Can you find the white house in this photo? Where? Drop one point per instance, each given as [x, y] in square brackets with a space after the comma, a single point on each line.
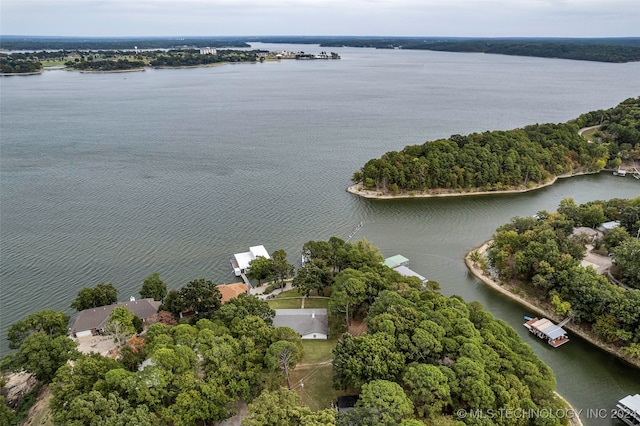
[309, 323]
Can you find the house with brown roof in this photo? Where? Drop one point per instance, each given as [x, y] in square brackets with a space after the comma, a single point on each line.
[231, 291]
[92, 321]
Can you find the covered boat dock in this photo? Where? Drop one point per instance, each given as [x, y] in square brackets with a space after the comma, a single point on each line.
[547, 330]
[400, 264]
[628, 410]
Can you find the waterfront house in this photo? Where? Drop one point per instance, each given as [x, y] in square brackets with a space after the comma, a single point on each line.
[231, 291]
[92, 321]
[308, 323]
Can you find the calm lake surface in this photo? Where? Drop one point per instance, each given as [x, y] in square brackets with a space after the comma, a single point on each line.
[110, 177]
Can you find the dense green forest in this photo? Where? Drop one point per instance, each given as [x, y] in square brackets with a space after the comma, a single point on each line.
[424, 357]
[13, 65]
[177, 58]
[514, 159]
[586, 49]
[619, 129]
[540, 49]
[105, 65]
[542, 256]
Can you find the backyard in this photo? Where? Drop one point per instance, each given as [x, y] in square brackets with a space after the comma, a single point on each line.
[312, 378]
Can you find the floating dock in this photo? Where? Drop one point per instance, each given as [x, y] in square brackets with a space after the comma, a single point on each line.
[554, 334]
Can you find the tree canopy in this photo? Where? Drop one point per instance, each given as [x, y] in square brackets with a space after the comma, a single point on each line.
[423, 356]
[101, 295]
[500, 160]
[544, 256]
[153, 287]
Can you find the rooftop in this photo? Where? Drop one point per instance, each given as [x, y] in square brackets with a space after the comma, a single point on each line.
[243, 259]
[396, 260]
[548, 328]
[96, 318]
[231, 291]
[303, 321]
[403, 270]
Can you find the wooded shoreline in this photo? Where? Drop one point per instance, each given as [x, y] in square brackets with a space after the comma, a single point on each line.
[358, 189]
[505, 289]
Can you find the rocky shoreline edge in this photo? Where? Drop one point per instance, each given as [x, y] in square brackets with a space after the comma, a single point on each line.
[358, 189]
[535, 305]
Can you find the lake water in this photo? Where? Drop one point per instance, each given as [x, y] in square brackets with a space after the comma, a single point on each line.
[110, 177]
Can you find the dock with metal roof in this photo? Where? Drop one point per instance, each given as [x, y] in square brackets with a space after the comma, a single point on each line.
[400, 264]
[554, 334]
[628, 410]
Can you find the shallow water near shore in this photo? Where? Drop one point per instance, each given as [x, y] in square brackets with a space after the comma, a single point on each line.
[110, 177]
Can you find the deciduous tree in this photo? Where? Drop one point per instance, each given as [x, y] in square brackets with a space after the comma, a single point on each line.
[42, 355]
[283, 355]
[49, 322]
[260, 269]
[101, 295]
[202, 296]
[153, 287]
[385, 401]
[281, 268]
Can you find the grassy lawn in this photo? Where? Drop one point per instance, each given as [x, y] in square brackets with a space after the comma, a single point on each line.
[317, 392]
[316, 303]
[315, 372]
[289, 293]
[316, 351]
[588, 134]
[284, 303]
[290, 299]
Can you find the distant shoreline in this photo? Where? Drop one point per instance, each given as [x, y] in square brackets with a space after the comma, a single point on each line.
[164, 67]
[358, 189]
[11, 74]
[506, 289]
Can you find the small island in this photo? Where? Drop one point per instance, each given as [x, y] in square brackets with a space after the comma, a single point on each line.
[511, 161]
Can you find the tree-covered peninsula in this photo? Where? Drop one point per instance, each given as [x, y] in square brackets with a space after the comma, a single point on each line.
[541, 258]
[415, 356]
[518, 159]
[123, 60]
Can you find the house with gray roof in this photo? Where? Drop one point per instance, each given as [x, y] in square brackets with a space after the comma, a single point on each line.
[92, 321]
[309, 323]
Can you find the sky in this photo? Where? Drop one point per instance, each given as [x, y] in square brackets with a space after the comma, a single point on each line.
[453, 18]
